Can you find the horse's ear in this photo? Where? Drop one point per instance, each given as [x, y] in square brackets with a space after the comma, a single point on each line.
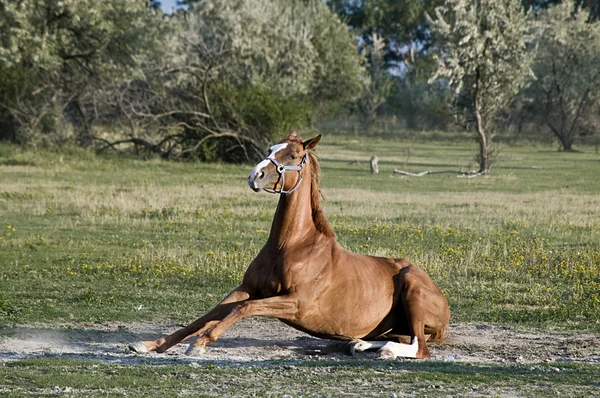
[292, 133]
[310, 144]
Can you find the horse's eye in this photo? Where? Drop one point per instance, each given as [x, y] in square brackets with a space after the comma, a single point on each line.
[293, 157]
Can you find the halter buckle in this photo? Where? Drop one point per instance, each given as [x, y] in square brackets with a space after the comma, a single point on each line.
[281, 169]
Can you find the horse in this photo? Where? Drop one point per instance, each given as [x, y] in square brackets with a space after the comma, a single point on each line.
[303, 277]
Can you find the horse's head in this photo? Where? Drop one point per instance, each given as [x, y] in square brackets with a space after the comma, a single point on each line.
[282, 171]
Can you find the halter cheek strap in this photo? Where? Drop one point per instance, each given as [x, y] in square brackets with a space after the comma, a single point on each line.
[281, 169]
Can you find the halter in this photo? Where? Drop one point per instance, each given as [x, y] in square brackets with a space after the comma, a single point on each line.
[281, 169]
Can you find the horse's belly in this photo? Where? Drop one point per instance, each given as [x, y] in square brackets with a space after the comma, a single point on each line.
[360, 313]
[347, 320]
[321, 330]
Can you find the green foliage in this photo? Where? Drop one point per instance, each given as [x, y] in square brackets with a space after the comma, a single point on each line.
[566, 94]
[401, 24]
[212, 82]
[377, 83]
[233, 77]
[421, 105]
[591, 6]
[405, 43]
[293, 47]
[53, 53]
[70, 38]
[483, 59]
[269, 113]
[260, 113]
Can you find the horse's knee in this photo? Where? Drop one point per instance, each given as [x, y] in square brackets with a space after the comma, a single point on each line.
[240, 310]
[211, 336]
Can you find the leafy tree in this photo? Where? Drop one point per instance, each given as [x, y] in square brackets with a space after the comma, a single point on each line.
[401, 24]
[377, 83]
[236, 74]
[296, 47]
[54, 53]
[407, 41]
[483, 59]
[216, 80]
[186, 107]
[592, 6]
[567, 66]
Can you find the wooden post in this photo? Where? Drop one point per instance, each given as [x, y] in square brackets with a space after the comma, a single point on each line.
[374, 165]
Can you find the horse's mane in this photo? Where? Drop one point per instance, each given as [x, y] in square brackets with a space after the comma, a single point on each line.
[315, 193]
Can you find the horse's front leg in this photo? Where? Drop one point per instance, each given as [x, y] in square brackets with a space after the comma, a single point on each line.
[281, 307]
[199, 326]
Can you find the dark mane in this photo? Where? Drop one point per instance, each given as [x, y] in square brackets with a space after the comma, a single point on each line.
[315, 193]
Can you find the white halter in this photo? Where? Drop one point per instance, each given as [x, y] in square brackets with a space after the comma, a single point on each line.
[281, 169]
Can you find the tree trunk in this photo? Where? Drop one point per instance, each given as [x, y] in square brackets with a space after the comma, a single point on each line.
[484, 156]
[566, 142]
[568, 136]
[482, 138]
[484, 145]
[84, 135]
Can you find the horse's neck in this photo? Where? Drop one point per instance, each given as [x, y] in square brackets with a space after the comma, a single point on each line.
[293, 218]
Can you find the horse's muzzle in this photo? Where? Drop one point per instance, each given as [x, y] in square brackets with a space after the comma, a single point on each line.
[256, 179]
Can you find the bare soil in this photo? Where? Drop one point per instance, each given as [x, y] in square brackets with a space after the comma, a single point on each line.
[254, 340]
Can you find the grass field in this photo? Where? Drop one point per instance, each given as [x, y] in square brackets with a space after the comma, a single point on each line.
[89, 239]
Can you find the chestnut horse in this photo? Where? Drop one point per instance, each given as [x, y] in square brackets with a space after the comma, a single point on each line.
[303, 277]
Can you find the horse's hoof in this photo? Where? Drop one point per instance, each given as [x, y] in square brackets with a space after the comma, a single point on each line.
[386, 353]
[138, 347]
[358, 346]
[351, 348]
[193, 351]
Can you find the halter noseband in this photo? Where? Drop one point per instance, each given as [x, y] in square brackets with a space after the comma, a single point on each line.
[281, 169]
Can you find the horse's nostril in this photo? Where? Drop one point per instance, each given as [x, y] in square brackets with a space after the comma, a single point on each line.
[262, 174]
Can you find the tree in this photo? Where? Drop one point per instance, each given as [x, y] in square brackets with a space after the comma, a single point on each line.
[483, 59]
[407, 40]
[566, 93]
[236, 74]
[53, 54]
[377, 83]
[216, 80]
[298, 47]
[592, 6]
[186, 107]
[401, 24]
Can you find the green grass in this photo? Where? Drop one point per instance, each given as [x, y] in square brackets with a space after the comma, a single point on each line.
[98, 239]
[88, 238]
[309, 378]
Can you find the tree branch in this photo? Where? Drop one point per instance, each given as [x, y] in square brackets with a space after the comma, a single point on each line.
[424, 173]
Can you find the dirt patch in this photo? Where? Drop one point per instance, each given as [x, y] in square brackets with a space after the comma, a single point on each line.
[254, 340]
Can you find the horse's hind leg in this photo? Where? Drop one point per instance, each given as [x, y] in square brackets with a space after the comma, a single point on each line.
[425, 308]
[199, 326]
[362, 345]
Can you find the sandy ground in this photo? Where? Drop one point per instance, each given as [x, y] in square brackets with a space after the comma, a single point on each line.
[254, 340]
